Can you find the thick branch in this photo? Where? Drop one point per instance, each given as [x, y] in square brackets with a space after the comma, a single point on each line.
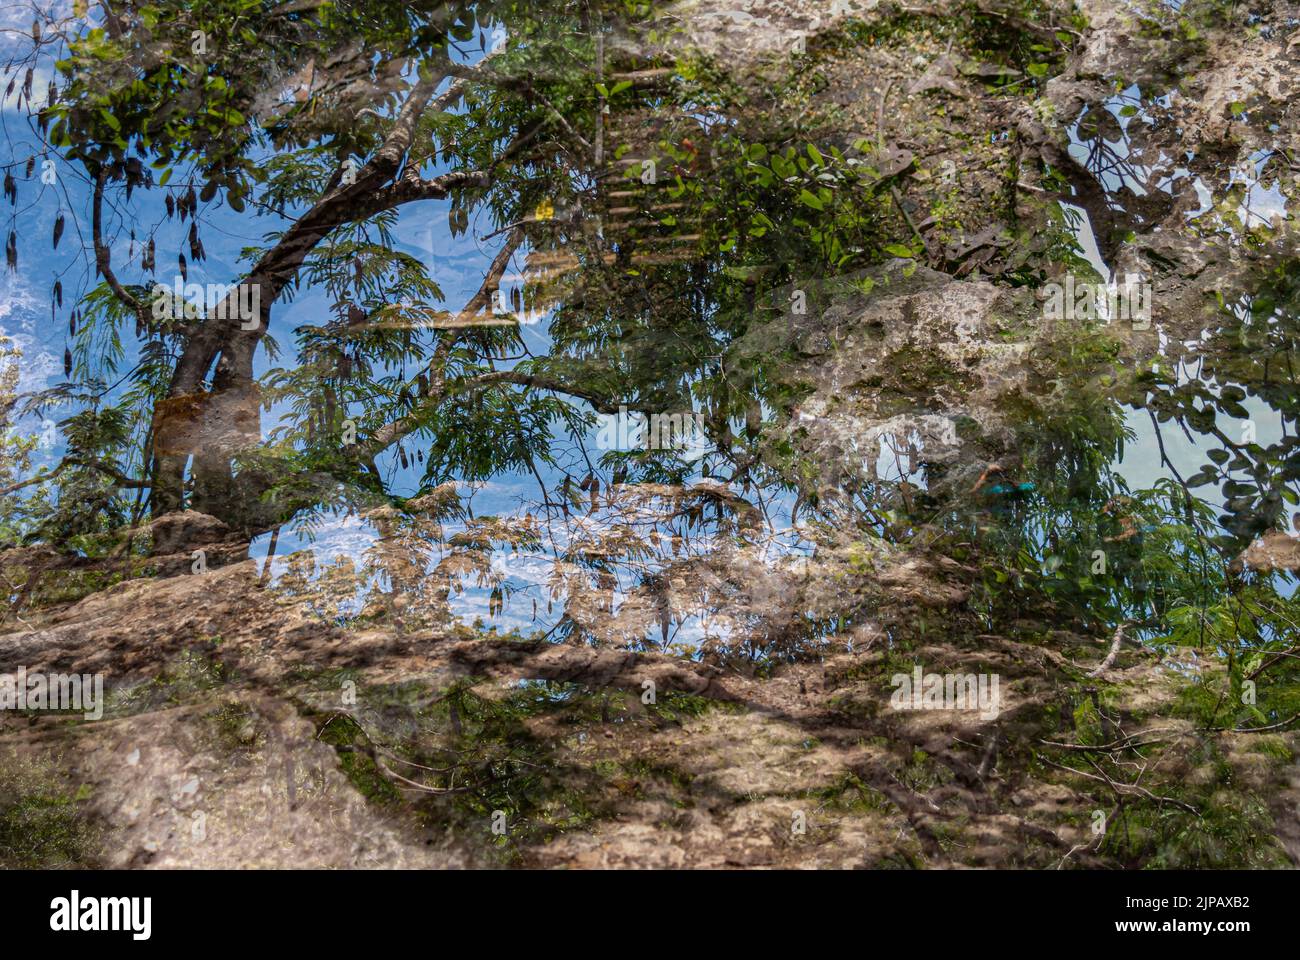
[279, 264]
[342, 203]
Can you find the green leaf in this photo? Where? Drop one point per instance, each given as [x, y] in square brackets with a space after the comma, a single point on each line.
[810, 199]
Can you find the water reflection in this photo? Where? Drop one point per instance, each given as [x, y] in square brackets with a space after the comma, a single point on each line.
[883, 414]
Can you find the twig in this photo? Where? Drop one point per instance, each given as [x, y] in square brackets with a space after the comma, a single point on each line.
[1121, 788]
[1272, 726]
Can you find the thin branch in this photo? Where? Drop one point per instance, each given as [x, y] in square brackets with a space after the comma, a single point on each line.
[1115, 644]
[1272, 726]
[1124, 788]
[103, 259]
[600, 402]
[122, 479]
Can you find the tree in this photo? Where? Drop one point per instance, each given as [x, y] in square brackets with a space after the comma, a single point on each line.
[389, 111]
[827, 261]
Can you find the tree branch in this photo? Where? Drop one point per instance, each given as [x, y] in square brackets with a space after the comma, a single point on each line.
[538, 382]
[103, 260]
[1116, 642]
[122, 479]
[391, 432]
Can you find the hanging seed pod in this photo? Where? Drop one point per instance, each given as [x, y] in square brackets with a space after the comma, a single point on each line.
[11, 188]
[67, 362]
[147, 262]
[402, 454]
[58, 293]
[185, 273]
[10, 89]
[516, 302]
[36, 32]
[196, 248]
[72, 324]
[130, 249]
[171, 206]
[51, 93]
[58, 229]
[345, 367]
[31, 166]
[11, 252]
[420, 454]
[207, 193]
[27, 84]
